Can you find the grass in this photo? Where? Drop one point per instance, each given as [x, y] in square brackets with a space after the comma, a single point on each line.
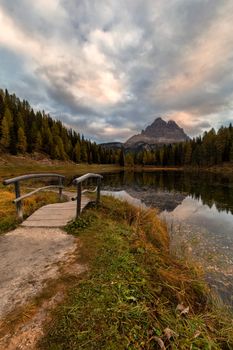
[11, 166]
[8, 216]
[135, 295]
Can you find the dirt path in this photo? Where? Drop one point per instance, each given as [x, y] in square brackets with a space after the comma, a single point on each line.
[29, 258]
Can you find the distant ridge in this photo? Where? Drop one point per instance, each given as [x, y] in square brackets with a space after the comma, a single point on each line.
[159, 132]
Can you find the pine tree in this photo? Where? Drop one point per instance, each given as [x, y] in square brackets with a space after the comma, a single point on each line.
[58, 151]
[84, 157]
[231, 153]
[188, 153]
[122, 158]
[129, 161]
[38, 142]
[47, 138]
[22, 141]
[6, 126]
[77, 153]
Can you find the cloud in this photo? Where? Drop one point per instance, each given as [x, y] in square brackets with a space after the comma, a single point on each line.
[109, 68]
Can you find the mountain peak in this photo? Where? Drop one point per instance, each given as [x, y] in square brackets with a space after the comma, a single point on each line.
[158, 120]
[159, 132]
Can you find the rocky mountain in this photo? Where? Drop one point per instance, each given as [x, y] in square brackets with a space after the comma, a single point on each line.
[159, 132]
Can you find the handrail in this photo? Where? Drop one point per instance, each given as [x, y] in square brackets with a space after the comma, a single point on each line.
[87, 176]
[16, 182]
[78, 181]
[35, 191]
[30, 176]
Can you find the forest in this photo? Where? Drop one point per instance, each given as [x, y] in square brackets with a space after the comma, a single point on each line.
[212, 148]
[23, 130]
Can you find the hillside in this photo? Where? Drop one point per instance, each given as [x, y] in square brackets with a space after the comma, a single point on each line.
[24, 131]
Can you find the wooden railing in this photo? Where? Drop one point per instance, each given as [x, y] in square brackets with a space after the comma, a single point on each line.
[78, 182]
[18, 198]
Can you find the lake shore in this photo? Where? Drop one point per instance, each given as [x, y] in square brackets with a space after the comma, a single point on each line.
[136, 294]
[16, 165]
[173, 305]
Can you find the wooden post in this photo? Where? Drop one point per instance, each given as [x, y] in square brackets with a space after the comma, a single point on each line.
[98, 191]
[60, 188]
[19, 203]
[79, 197]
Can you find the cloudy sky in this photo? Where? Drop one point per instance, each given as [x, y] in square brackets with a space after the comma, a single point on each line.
[108, 68]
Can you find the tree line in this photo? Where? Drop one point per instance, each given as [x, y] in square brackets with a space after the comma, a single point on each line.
[200, 185]
[210, 149]
[23, 130]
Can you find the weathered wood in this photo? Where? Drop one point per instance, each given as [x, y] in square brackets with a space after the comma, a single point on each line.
[60, 188]
[16, 181]
[19, 203]
[55, 215]
[98, 190]
[30, 176]
[35, 191]
[79, 200]
[89, 191]
[78, 182]
[86, 177]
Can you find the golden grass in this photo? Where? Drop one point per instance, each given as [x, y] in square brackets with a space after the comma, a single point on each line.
[8, 215]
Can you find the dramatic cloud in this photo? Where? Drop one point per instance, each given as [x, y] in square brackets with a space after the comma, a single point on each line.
[108, 68]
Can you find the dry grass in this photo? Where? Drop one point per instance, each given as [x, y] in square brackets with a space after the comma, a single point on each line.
[8, 216]
[136, 295]
[11, 166]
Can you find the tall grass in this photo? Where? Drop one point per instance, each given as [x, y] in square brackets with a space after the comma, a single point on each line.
[135, 295]
[8, 216]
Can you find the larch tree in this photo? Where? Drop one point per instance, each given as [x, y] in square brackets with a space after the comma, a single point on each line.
[22, 141]
[6, 126]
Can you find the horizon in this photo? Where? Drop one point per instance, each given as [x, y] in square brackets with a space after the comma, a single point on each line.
[109, 69]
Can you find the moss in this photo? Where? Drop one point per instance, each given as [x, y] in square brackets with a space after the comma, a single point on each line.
[135, 295]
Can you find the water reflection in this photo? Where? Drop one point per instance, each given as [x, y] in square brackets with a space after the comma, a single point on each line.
[198, 209]
[195, 212]
[210, 188]
[123, 195]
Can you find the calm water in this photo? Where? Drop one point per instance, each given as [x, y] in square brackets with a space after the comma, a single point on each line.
[198, 209]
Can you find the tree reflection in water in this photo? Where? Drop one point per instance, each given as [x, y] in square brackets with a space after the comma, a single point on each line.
[198, 208]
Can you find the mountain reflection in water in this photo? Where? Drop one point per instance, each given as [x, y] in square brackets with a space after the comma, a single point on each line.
[198, 209]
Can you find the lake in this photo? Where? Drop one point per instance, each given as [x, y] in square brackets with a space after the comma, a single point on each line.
[198, 210]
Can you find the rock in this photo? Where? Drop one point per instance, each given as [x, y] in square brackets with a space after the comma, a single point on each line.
[159, 132]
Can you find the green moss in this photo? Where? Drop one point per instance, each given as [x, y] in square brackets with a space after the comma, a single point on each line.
[129, 297]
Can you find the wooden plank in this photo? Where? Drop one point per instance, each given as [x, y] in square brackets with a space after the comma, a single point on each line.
[54, 215]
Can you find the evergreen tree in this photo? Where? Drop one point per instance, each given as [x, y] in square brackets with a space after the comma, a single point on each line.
[121, 158]
[22, 141]
[231, 153]
[84, 157]
[187, 153]
[6, 127]
[129, 161]
[77, 153]
[38, 142]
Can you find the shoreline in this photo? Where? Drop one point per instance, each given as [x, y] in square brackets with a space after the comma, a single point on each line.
[16, 165]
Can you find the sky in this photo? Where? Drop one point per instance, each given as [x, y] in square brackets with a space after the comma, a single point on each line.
[108, 68]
